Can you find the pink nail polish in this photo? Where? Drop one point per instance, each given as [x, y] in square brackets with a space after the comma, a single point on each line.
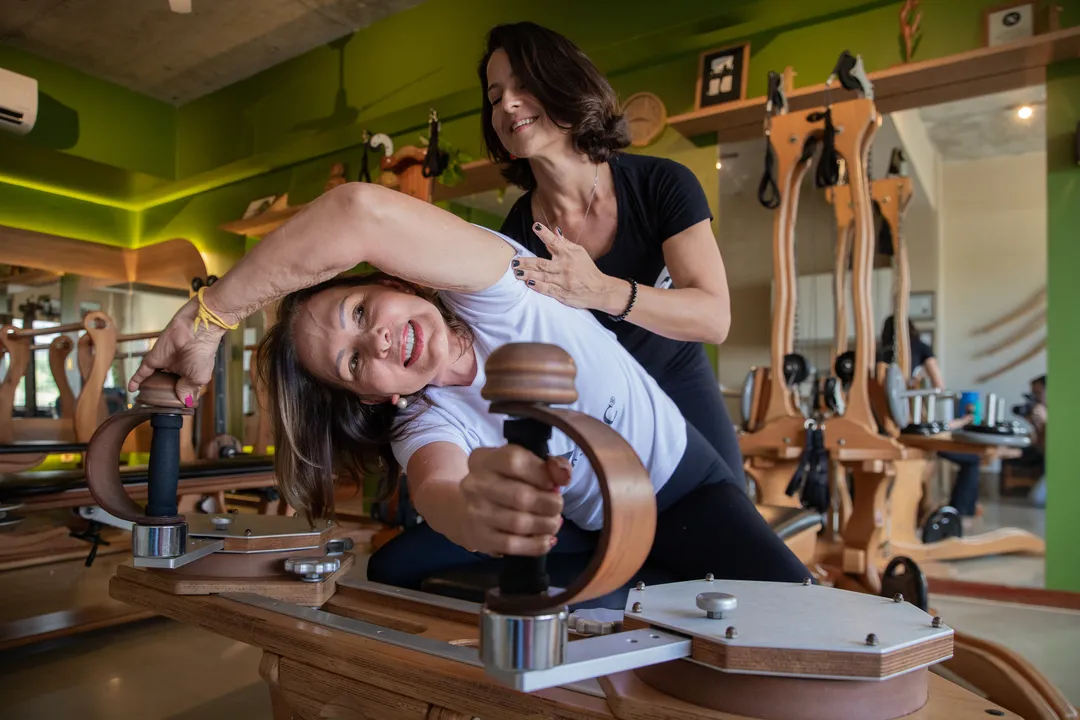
[553, 541]
[189, 401]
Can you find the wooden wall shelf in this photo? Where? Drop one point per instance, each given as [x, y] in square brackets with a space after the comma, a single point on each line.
[903, 87]
[480, 176]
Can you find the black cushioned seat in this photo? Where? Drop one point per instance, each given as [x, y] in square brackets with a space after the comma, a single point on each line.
[24, 485]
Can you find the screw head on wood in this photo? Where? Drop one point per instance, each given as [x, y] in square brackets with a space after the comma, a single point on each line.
[898, 598]
[807, 581]
[936, 621]
[635, 608]
[731, 633]
[248, 532]
[871, 639]
[709, 577]
[640, 586]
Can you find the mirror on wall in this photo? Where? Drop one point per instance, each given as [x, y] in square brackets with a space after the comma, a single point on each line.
[975, 233]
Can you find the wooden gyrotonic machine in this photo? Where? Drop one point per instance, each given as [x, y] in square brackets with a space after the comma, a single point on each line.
[702, 648]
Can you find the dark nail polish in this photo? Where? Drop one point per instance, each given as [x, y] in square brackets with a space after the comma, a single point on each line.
[532, 282]
[519, 273]
[558, 230]
[538, 227]
[516, 263]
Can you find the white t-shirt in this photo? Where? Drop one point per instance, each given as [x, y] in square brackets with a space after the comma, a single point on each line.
[610, 384]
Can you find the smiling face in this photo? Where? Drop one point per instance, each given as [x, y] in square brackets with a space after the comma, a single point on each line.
[517, 117]
[374, 340]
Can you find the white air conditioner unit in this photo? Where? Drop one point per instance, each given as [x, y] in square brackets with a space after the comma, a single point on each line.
[18, 102]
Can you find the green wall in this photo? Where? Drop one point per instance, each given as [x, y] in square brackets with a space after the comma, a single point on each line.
[1063, 357]
[111, 166]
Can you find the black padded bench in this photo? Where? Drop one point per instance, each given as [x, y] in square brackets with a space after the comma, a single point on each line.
[472, 581]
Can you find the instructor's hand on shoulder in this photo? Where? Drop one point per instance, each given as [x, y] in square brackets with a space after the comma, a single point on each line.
[183, 352]
[513, 501]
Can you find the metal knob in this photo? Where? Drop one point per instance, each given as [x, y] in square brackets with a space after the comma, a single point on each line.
[715, 604]
[221, 522]
[312, 569]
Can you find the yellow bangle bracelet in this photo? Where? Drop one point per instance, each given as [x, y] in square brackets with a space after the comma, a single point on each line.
[207, 316]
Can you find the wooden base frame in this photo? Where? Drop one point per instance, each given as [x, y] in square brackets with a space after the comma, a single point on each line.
[338, 674]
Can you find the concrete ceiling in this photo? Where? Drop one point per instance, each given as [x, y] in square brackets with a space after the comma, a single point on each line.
[988, 126]
[144, 46]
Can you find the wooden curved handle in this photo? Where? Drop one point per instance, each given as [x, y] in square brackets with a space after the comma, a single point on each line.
[103, 453]
[629, 509]
[520, 377]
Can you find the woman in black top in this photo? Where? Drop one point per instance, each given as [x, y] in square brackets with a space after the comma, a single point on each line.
[625, 236]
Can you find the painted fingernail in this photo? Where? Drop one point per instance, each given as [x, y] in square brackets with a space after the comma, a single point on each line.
[532, 282]
[554, 540]
[519, 273]
[538, 227]
[189, 401]
[558, 230]
[516, 263]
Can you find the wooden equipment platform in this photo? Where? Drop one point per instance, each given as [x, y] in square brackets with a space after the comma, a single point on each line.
[343, 674]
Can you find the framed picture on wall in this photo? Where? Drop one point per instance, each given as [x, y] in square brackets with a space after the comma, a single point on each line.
[921, 306]
[722, 76]
[1004, 24]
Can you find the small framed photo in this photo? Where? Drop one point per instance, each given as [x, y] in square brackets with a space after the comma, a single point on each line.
[722, 75]
[921, 306]
[1008, 23]
[257, 207]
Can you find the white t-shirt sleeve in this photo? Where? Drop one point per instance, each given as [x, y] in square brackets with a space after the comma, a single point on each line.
[428, 426]
[498, 299]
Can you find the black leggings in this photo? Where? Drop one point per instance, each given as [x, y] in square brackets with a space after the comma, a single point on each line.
[705, 524]
[694, 389]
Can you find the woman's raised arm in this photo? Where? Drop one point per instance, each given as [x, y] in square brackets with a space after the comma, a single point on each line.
[351, 224]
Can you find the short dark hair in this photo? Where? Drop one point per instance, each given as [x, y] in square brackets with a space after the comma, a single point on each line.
[1041, 380]
[573, 92]
[320, 431]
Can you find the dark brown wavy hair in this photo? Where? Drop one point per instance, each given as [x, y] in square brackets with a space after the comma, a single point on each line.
[322, 433]
[574, 94]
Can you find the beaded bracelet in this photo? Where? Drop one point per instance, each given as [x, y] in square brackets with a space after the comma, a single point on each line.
[629, 305]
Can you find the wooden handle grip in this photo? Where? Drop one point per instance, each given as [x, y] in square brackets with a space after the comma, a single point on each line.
[522, 376]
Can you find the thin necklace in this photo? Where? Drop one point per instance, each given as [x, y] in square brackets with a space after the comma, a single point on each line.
[588, 207]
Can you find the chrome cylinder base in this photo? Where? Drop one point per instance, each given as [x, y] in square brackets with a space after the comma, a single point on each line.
[159, 541]
[523, 642]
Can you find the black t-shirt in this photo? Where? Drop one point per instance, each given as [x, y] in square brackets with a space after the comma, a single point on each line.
[657, 199]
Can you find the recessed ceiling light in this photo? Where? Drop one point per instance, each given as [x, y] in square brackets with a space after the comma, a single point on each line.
[1025, 112]
[718, 164]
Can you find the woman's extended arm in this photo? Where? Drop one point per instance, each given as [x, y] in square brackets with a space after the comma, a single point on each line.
[494, 501]
[351, 224]
[355, 223]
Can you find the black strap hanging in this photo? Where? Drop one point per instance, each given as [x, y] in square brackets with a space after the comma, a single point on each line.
[811, 478]
[365, 174]
[436, 160]
[775, 104]
[828, 169]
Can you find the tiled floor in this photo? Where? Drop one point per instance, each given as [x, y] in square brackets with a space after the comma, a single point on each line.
[159, 669]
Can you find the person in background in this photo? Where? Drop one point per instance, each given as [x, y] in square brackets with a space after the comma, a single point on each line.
[965, 492]
[1035, 454]
[625, 236]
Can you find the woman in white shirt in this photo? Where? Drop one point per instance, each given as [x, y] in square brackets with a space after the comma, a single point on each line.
[378, 371]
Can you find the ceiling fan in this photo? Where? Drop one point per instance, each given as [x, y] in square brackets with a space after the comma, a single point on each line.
[180, 6]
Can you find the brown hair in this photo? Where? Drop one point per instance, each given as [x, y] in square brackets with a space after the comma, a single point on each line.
[320, 431]
[573, 93]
